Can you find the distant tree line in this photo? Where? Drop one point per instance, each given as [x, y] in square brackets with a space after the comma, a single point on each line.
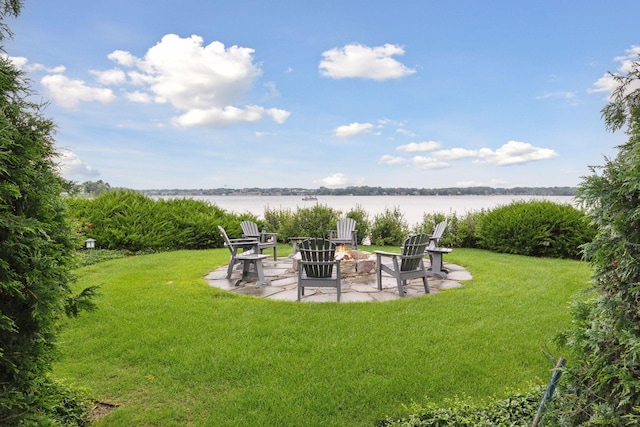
[368, 191]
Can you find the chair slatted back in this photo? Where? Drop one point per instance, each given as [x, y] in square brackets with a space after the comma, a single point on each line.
[249, 228]
[345, 228]
[227, 242]
[320, 254]
[438, 231]
[413, 249]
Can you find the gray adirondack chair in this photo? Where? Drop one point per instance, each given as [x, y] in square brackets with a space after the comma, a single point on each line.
[345, 233]
[248, 257]
[407, 265]
[266, 240]
[317, 266]
[438, 231]
[436, 252]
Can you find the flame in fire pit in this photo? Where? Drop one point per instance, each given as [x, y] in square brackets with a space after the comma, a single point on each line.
[343, 253]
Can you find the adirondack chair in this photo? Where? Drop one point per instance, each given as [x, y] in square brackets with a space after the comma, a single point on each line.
[249, 257]
[436, 252]
[267, 240]
[345, 233]
[317, 266]
[438, 231]
[407, 265]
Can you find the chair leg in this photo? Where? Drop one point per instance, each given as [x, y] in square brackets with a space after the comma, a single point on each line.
[400, 288]
[379, 278]
[230, 268]
[426, 284]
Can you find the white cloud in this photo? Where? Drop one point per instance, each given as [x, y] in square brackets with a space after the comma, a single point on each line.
[514, 152]
[206, 82]
[455, 153]
[70, 164]
[69, 92]
[353, 129]
[422, 162]
[405, 132]
[414, 147]
[114, 76]
[57, 70]
[333, 180]
[22, 63]
[141, 97]
[391, 160]
[511, 153]
[608, 84]
[278, 115]
[219, 117]
[356, 60]
[123, 58]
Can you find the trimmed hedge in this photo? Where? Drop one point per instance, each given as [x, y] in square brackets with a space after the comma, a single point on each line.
[129, 220]
[535, 228]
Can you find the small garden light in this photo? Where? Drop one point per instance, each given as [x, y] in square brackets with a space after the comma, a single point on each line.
[90, 243]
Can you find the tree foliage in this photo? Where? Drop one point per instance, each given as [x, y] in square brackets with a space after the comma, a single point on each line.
[36, 250]
[604, 378]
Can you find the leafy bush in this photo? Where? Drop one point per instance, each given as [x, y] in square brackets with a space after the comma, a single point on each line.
[362, 222]
[128, 220]
[36, 253]
[602, 384]
[315, 221]
[389, 228]
[515, 411]
[280, 221]
[535, 228]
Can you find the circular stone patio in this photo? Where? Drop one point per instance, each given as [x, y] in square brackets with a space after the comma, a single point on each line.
[363, 288]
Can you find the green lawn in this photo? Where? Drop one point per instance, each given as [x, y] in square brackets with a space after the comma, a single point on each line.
[172, 351]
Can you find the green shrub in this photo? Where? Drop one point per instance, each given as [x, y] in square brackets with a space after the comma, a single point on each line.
[601, 384]
[280, 221]
[129, 220]
[535, 228]
[460, 232]
[389, 228]
[516, 411]
[362, 222]
[315, 221]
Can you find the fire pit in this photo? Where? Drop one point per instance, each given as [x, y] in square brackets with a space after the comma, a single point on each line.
[355, 262]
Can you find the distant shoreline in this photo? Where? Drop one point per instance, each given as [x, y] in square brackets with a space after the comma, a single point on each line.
[368, 191]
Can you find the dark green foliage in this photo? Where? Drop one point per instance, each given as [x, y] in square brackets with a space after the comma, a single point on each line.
[460, 232]
[603, 380]
[535, 228]
[124, 219]
[516, 411]
[362, 222]
[389, 228]
[315, 221]
[36, 250]
[280, 221]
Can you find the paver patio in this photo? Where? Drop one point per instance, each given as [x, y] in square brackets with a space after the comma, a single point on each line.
[284, 281]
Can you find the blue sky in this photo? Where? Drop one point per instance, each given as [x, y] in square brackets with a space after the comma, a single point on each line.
[207, 94]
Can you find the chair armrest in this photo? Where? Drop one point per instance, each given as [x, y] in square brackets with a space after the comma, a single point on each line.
[244, 240]
[266, 237]
[383, 253]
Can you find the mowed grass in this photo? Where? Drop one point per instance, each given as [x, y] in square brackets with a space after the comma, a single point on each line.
[171, 351]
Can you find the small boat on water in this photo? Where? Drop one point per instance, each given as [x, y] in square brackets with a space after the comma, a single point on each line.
[309, 198]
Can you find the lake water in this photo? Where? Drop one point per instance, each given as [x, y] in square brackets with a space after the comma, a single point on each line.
[412, 207]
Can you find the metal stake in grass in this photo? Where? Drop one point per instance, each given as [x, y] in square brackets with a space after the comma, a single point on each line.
[548, 393]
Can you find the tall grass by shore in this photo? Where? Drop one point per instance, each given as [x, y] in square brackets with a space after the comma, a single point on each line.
[170, 350]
